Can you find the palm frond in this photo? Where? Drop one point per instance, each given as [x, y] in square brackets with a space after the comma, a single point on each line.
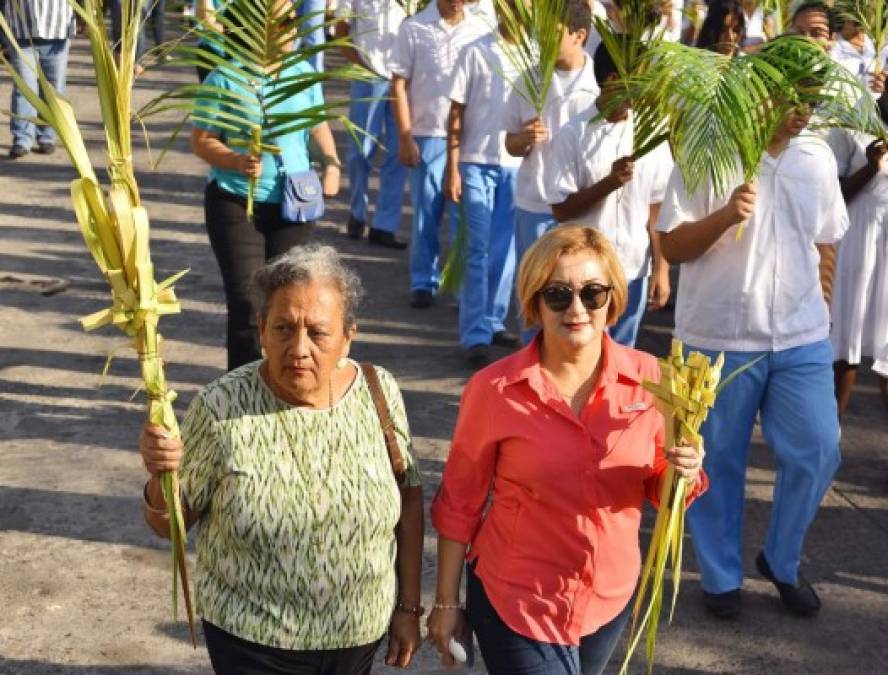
[720, 113]
[257, 41]
[534, 32]
[115, 229]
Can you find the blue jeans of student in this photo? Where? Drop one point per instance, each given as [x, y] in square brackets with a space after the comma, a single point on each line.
[506, 652]
[529, 227]
[52, 55]
[793, 392]
[488, 197]
[625, 330]
[427, 198]
[313, 29]
[377, 119]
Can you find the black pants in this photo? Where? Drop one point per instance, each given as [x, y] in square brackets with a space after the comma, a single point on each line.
[231, 655]
[242, 247]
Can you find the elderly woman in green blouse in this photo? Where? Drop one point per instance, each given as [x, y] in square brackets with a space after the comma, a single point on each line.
[307, 550]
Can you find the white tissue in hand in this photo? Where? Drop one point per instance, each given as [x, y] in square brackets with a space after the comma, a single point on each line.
[457, 651]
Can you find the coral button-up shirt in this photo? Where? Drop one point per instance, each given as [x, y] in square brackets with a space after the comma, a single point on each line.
[557, 550]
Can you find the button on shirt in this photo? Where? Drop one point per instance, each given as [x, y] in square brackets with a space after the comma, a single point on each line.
[761, 293]
[482, 82]
[374, 28]
[425, 54]
[581, 155]
[557, 551]
[571, 94]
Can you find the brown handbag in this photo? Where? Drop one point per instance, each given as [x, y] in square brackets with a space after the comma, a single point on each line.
[385, 419]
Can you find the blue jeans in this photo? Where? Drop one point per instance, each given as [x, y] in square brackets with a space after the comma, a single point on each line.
[427, 198]
[488, 197]
[529, 227]
[376, 117]
[313, 29]
[506, 652]
[52, 56]
[793, 392]
[625, 330]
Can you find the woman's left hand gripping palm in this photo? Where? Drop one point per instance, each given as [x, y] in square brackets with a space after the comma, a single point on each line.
[687, 461]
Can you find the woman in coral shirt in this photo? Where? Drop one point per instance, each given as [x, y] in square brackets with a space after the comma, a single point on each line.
[567, 443]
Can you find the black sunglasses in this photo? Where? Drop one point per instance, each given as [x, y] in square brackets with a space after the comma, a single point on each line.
[558, 297]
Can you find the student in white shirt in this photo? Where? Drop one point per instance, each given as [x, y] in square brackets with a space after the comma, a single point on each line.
[860, 295]
[481, 175]
[855, 51]
[426, 52]
[373, 26]
[572, 93]
[761, 297]
[592, 179]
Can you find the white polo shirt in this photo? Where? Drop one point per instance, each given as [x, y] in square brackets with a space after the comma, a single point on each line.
[482, 82]
[761, 293]
[571, 94]
[580, 156]
[425, 54]
[374, 28]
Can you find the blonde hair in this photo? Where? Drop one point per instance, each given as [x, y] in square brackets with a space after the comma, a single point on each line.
[540, 259]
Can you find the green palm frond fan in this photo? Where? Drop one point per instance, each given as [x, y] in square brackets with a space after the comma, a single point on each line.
[255, 48]
[720, 115]
[627, 44]
[781, 10]
[871, 16]
[534, 30]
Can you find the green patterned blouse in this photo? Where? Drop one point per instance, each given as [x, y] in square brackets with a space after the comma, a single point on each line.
[296, 545]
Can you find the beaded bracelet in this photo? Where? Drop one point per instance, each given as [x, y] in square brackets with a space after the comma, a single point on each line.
[441, 605]
[415, 610]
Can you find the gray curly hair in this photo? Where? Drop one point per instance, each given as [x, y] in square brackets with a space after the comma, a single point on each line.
[302, 265]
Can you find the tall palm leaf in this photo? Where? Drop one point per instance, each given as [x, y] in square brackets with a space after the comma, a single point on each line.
[257, 41]
[534, 30]
[114, 225]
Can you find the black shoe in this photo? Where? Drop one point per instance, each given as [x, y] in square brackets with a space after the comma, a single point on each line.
[387, 239]
[478, 356]
[45, 148]
[18, 151]
[421, 299]
[723, 605]
[354, 228]
[504, 338]
[800, 599]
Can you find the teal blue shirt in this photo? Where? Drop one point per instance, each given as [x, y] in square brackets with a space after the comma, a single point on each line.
[294, 146]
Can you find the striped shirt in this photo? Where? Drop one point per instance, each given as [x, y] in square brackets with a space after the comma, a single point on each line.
[39, 19]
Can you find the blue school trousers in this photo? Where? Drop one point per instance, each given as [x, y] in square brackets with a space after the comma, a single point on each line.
[427, 198]
[488, 198]
[793, 393]
[529, 227]
[376, 117]
[625, 330]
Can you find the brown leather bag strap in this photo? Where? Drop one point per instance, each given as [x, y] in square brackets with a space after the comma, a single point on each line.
[385, 419]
